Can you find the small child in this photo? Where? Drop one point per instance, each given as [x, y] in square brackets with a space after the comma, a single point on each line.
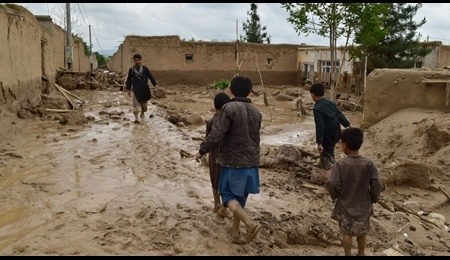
[355, 184]
[214, 167]
[328, 120]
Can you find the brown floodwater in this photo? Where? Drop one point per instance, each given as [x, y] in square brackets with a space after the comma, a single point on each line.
[55, 169]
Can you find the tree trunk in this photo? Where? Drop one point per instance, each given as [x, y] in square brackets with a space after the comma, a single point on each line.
[332, 51]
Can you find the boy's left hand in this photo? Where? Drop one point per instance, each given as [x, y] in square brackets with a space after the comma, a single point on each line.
[197, 157]
[319, 148]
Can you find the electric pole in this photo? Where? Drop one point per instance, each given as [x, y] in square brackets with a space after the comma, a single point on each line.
[69, 50]
[91, 58]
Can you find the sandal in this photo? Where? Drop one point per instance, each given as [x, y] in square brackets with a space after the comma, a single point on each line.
[251, 235]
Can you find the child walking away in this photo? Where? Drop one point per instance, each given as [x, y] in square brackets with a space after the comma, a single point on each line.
[355, 185]
[328, 120]
[214, 168]
[237, 130]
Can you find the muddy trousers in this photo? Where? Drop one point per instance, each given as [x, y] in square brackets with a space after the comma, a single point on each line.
[137, 105]
[330, 139]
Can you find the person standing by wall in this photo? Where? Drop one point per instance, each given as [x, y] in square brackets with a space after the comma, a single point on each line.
[137, 82]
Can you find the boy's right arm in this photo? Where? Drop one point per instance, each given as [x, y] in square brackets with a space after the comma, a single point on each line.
[375, 184]
[218, 131]
[129, 80]
[334, 183]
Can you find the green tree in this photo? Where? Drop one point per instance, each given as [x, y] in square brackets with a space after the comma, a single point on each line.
[101, 60]
[332, 20]
[400, 47]
[252, 28]
[87, 51]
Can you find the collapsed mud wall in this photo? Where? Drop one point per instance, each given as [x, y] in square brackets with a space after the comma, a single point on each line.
[392, 90]
[173, 61]
[31, 47]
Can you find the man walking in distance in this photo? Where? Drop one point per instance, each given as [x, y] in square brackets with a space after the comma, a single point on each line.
[137, 81]
[237, 131]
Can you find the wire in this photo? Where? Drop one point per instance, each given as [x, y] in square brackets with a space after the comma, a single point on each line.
[92, 28]
[438, 38]
[81, 13]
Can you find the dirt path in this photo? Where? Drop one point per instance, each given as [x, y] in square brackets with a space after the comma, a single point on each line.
[111, 187]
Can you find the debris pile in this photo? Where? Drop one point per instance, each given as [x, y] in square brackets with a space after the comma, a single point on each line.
[98, 79]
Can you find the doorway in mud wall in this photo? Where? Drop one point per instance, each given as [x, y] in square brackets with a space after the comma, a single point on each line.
[45, 86]
[308, 71]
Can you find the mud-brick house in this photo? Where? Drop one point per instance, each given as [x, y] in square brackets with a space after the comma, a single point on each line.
[315, 66]
[439, 57]
[175, 61]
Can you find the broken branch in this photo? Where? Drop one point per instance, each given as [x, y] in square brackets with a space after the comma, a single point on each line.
[65, 95]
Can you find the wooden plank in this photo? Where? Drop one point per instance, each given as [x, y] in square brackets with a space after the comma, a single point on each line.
[435, 81]
[57, 110]
[73, 95]
[66, 96]
[97, 82]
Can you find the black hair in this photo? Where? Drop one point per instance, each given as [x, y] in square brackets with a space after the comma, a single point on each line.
[353, 137]
[317, 89]
[220, 99]
[137, 56]
[241, 86]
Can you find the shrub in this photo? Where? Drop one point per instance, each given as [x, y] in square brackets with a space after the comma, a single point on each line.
[222, 84]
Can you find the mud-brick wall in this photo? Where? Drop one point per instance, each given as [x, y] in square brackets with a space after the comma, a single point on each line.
[173, 61]
[80, 60]
[54, 40]
[53, 56]
[20, 58]
[30, 47]
[444, 56]
[391, 90]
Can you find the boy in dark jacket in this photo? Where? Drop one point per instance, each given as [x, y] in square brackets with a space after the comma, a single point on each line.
[138, 76]
[237, 129]
[328, 120]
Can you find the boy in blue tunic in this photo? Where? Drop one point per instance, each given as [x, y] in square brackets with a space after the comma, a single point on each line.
[237, 129]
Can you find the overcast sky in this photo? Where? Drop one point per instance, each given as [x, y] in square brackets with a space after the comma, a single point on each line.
[111, 22]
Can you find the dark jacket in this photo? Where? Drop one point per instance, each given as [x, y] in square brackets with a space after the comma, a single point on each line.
[327, 114]
[140, 83]
[236, 130]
